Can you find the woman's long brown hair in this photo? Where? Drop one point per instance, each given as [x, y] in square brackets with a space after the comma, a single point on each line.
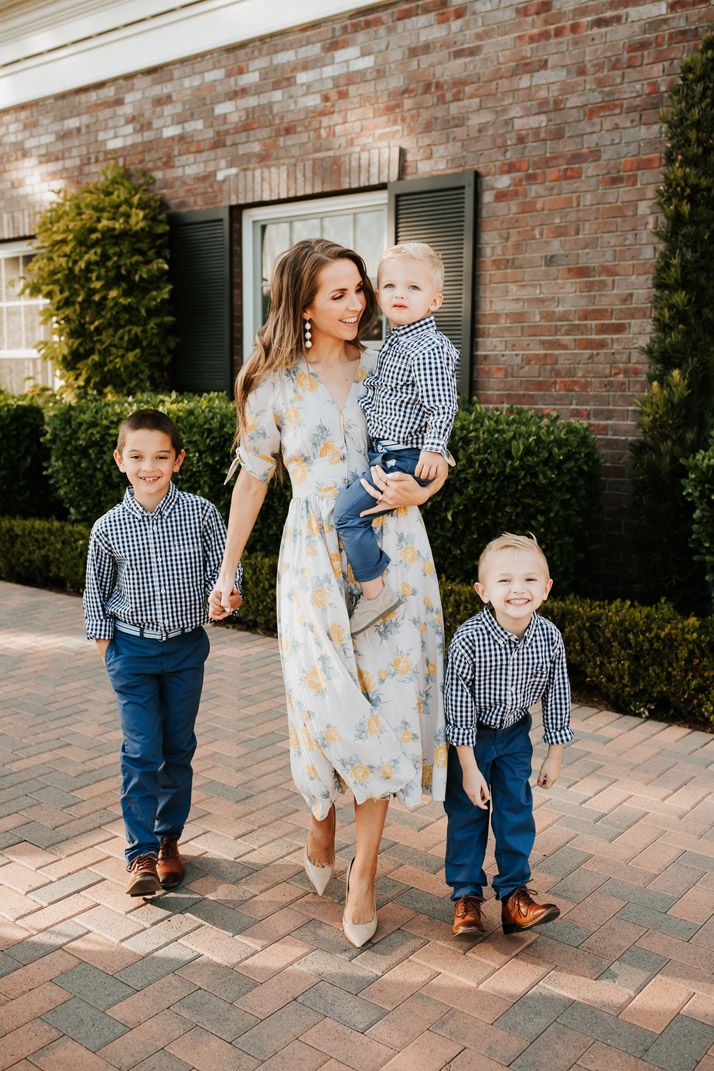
[293, 287]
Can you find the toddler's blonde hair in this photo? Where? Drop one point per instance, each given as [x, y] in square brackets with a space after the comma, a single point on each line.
[509, 541]
[416, 251]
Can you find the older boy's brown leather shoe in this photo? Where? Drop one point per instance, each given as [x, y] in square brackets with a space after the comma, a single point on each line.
[170, 866]
[467, 916]
[519, 911]
[144, 880]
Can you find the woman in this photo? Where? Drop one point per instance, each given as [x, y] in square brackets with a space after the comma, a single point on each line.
[364, 714]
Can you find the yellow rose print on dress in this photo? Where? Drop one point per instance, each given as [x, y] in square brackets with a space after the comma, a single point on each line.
[427, 568]
[406, 736]
[307, 737]
[294, 739]
[409, 555]
[315, 679]
[360, 772]
[441, 756]
[320, 597]
[405, 590]
[291, 415]
[331, 734]
[366, 680]
[329, 451]
[374, 725]
[312, 524]
[251, 425]
[337, 633]
[336, 563]
[311, 771]
[387, 771]
[305, 382]
[298, 469]
[402, 665]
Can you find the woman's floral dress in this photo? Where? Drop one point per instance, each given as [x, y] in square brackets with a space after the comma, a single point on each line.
[365, 713]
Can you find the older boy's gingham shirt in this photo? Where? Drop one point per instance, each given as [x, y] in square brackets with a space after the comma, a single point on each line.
[153, 569]
[493, 677]
[410, 398]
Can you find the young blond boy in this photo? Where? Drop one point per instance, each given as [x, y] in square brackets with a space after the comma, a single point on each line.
[501, 662]
[409, 405]
[152, 563]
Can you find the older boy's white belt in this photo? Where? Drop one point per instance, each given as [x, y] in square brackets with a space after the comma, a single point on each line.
[150, 633]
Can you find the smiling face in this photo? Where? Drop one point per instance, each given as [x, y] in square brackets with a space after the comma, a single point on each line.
[515, 582]
[407, 290]
[149, 461]
[338, 304]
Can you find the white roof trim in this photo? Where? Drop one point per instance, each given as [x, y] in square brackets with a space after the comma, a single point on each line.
[51, 48]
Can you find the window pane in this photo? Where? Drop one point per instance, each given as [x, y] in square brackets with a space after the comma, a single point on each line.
[371, 238]
[305, 228]
[276, 239]
[12, 278]
[14, 327]
[338, 229]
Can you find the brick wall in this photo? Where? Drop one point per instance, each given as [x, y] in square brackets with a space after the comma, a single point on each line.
[556, 105]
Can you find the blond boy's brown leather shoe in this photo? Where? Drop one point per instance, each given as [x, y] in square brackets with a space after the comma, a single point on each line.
[144, 879]
[467, 916]
[170, 866]
[519, 911]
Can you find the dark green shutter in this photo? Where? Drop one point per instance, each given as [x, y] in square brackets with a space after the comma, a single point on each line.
[201, 278]
[442, 212]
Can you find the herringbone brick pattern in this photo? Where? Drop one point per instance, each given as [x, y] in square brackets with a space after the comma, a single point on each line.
[244, 967]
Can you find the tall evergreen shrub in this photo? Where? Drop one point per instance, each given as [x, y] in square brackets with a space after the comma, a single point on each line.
[677, 415]
[102, 266]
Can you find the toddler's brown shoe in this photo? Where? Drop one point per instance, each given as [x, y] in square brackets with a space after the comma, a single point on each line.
[519, 911]
[144, 879]
[467, 916]
[170, 865]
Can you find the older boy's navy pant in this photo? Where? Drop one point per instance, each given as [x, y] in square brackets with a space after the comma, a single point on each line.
[158, 689]
[504, 758]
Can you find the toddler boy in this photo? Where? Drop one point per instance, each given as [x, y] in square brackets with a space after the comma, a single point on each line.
[501, 662]
[152, 563]
[409, 404]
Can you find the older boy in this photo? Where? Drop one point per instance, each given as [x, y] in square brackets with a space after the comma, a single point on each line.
[409, 404]
[152, 563]
[501, 662]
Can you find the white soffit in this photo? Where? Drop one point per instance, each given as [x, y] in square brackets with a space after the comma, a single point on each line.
[50, 48]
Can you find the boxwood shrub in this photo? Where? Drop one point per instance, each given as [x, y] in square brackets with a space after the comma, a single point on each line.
[24, 459]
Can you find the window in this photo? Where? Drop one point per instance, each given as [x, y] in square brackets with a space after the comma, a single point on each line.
[356, 221]
[20, 327]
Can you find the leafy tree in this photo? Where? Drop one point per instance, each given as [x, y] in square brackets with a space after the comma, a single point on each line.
[102, 266]
[677, 415]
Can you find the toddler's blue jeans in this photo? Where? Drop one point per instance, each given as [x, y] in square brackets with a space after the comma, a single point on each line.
[158, 688]
[504, 757]
[364, 553]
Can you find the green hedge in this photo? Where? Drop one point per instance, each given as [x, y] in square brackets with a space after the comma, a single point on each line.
[642, 660]
[25, 491]
[699, 489]
[517, 472]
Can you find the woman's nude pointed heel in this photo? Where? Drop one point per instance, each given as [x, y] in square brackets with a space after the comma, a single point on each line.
[358, 933]
[318, 876]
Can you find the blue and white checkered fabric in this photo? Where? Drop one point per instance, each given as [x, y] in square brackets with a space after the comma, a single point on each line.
[493, 677]
[153, 569]
[410, 398]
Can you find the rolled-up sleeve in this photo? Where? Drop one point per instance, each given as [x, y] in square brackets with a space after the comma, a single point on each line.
[459, 704]
[260, 442]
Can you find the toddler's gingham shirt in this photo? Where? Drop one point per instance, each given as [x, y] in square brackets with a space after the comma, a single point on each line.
[410, 397]
[493, 677]
[153, 569]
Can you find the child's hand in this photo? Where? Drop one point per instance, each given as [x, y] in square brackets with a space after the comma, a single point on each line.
[102, 648]
[475, 787]
[216, 611]
[430, 465]
[235, 599]
[549, 771]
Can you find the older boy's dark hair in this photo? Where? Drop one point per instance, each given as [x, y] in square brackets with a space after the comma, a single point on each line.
[149, 420]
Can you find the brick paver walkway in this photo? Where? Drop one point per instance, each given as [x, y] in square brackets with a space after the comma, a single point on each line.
[244, 967]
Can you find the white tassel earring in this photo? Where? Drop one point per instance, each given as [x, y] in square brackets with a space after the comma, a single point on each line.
[308, 334]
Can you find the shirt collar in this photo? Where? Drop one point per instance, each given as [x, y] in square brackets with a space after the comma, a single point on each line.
[163, 509]
[502, 635]
[406, 330]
